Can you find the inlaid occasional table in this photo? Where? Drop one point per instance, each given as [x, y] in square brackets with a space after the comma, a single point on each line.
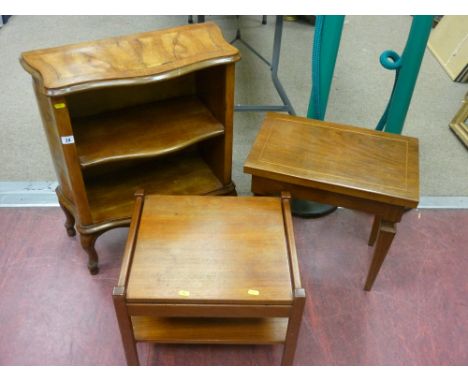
[210, 270]
[342, 165]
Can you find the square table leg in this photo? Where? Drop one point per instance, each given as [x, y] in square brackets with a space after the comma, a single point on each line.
[294, 325]
[126, 330]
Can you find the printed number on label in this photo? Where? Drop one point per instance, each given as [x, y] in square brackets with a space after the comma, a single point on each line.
[68, 140]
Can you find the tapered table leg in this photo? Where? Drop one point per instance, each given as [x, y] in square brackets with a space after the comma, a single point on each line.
[375, 230]
[385, 237]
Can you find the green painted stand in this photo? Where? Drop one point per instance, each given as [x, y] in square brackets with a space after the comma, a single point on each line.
[408, 66]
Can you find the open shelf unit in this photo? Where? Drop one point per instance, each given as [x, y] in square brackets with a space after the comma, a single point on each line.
[148, 111]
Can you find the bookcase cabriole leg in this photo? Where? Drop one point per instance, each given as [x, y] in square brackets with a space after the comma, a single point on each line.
[87, 242]
[69, 222]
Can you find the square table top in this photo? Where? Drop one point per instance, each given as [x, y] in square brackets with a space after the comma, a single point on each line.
[210, 249]
[333, 157]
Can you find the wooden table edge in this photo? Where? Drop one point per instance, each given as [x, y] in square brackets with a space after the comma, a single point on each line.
[411, 202]
[120, 288]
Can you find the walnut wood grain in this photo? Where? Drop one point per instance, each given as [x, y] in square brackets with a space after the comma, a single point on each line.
[339, 158]
[129, 60]
[205, 330]
[144, 131]
[216, 249]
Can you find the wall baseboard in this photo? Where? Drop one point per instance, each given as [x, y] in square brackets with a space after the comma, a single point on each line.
[443, 202]
[28, 194]
[42, 194]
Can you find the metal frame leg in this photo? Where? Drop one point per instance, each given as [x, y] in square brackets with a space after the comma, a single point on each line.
[275, 65]
[287, 106]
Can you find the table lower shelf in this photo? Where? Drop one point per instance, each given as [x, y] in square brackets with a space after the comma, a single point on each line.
[201, 330]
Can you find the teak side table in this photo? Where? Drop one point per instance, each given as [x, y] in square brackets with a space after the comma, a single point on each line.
[152, 110]
[341, 165]
[210, 270]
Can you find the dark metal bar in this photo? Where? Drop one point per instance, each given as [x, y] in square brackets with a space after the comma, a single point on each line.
[287, 106]
[254, 51]
[261, 108]
[275, 65]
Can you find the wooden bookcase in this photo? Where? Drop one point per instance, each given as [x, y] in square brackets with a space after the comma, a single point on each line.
[150, 111]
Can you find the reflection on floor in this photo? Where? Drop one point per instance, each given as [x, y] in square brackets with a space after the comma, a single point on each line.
[52, 312]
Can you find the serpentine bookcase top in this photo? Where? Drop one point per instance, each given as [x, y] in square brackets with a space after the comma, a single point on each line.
[128, 60]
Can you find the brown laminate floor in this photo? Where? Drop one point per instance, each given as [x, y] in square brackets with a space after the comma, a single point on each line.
[53, 312]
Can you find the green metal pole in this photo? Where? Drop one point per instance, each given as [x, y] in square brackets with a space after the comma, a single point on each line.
[324, 64]
[411, 59]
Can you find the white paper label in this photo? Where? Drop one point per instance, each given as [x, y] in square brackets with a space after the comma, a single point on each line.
[68, 140]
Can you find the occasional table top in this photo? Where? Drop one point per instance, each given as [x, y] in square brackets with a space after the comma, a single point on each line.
[211, 249]
[349, 160]
[133, 59]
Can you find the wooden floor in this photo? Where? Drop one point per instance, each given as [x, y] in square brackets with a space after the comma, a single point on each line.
[52, 312]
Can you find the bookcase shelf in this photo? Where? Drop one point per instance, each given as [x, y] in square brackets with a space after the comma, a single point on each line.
[144, 131]
[111, 197]
[150, 111]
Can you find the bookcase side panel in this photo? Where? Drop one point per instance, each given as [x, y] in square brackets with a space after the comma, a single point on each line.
[53, 139]
[215, 87]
